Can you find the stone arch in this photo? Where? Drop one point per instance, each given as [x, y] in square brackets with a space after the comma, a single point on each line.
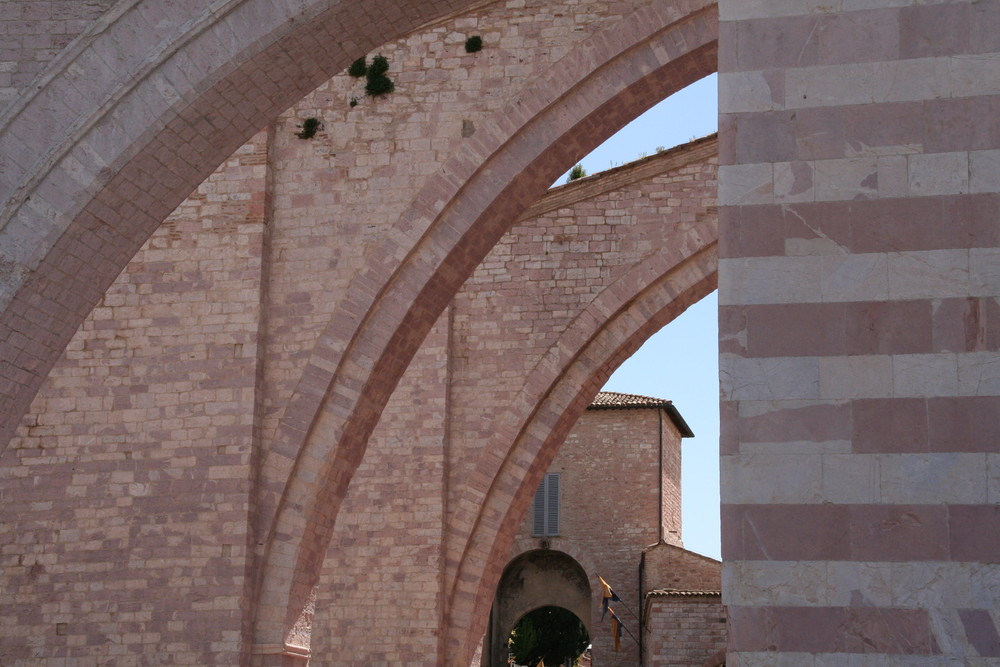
[661, 50]
[129, 119]
[461, 213]
[535, 579]
[554, 395]
[581, 556]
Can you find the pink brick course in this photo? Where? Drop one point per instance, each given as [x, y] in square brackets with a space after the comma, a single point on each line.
[833, 630]
[144, 434]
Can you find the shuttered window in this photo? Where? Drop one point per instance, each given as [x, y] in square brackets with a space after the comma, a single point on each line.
[545, 510]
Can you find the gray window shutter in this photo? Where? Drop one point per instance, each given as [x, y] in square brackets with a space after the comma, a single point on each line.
[545, 508]
[552, 504]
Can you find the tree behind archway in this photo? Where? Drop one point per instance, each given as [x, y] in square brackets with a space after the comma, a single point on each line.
[550, 634]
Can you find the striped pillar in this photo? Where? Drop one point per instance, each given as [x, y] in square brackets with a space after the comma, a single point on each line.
[859, 327]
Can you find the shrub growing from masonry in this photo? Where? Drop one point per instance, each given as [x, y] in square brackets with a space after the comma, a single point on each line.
[358, 68]
[310, 126]
[377, 83]
[473, 44]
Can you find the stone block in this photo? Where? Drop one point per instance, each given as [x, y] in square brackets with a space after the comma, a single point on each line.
[766, 583]
[932, 478]
[746, 184]
[830, 85]
[923, 375]
[856, 277]
[759, 280]
[752, 91]
[984, 171]
[769, 379]
[928, 274]
[855, 377]
[938, 174]
[794, 182]
[846, 179]
[893, 176]
[910, 80]
[772, 478]
[850, 479]
[984, 272]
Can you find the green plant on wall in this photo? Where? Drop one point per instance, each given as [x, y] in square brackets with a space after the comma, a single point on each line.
[309, 128]
[379, 66]
[473, 44]
[576, 172]
[377, 83]
[358, 68]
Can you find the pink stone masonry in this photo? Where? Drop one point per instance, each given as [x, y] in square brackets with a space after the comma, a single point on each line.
[858, 246]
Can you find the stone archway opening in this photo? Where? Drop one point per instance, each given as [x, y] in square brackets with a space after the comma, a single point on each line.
[691, 293]
[551, 635]
[534, 580]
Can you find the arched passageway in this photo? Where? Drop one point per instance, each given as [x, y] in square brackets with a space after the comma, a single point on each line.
[531, 581]
[549, 634]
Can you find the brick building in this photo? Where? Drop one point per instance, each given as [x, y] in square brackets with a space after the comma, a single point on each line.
[610, 506]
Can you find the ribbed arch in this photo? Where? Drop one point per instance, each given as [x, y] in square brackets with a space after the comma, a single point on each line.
[597, 89]
[125, 122]
[554, 396]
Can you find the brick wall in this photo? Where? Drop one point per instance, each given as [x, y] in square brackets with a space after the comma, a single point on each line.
[484, 367]
[609, 483]
[381, 581]
[131, 477]
[355, 179]
[684, 630]
[164, 380]
[666, 566]
[125, 124]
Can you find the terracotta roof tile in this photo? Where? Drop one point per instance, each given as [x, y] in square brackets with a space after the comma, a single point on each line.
[612, 400]
[607, 400]
[669, 592]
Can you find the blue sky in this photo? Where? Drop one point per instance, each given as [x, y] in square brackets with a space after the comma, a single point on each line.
[680, 363]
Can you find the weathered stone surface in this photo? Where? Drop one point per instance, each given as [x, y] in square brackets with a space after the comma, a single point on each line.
[855, 307]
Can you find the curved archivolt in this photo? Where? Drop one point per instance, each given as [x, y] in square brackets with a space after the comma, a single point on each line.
[125, 123]
[650, 55]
